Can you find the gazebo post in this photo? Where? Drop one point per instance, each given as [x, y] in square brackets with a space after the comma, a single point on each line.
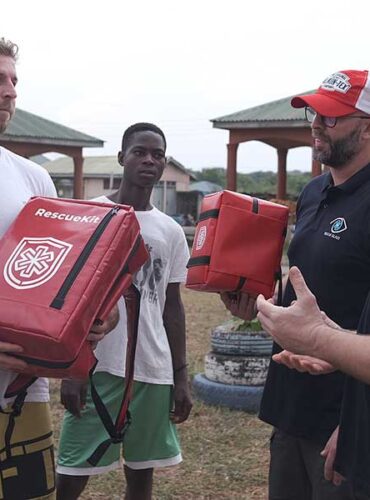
[316, 168]
[231, 180]
[23, 137]
[276, 124]
[281, 184]
[78, 175]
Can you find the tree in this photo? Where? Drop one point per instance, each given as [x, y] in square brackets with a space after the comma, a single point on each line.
[259, 183]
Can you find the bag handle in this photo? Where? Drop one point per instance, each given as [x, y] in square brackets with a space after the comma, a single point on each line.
[117, 429]
[124, 279]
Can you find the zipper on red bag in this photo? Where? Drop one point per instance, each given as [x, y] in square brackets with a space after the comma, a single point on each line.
[60, 297]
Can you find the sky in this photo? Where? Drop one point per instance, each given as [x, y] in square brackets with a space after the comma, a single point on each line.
[100, 66]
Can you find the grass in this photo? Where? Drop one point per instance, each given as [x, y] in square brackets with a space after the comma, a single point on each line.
[225, 452]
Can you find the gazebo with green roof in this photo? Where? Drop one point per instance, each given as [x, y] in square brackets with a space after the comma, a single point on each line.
[29, 135]
[276, 124]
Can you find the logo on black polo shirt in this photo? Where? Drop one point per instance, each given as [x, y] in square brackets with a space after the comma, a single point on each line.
[338, 225]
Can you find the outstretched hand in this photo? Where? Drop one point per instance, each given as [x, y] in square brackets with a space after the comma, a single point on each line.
[294, 327]
[303, 363]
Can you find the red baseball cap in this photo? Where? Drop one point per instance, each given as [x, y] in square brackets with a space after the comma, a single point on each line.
[340, 94]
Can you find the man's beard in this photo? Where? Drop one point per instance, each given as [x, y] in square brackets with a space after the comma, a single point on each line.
[340, 152]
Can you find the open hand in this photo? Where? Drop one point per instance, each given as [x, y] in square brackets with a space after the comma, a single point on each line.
[295, 327]
[303, 363]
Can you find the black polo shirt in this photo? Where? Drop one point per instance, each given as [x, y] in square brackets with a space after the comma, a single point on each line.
[353, 450]
[331, 246]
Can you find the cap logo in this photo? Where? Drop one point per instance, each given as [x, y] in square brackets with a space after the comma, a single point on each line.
[338, 82]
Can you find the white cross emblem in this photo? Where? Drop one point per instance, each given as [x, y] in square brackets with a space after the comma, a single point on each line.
[35, 261]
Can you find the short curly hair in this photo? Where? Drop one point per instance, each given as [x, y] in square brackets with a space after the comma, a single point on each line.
[141, 127]
[8, 48]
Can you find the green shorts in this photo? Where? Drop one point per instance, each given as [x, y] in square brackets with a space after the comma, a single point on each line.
[150, 440]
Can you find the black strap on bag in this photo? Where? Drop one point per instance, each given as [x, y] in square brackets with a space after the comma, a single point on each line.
[279, 279]
[20, 383]
[14, 412]
[117, 429]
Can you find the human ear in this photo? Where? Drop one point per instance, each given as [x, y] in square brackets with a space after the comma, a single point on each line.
[366, 132]
[120, 158]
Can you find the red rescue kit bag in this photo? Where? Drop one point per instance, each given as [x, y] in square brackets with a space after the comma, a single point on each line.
[64, 263]
[238, 245]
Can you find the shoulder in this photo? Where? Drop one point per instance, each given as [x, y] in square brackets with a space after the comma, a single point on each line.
[27, 166]
[317, 183]
[157, 226]
[166, 221]
[20, 161]
[30, 172]
[102, 199]
[313, 188]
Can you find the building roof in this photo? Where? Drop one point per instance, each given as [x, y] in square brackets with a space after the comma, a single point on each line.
[39, 159]
[278, 113]
[171, 160]
[205, 187]
[27, 127]
[96, 166]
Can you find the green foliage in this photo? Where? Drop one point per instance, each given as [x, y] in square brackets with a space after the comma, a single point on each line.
[235, 324]
[217, 175]
[259, 182]
[296, 181]
[252, 326]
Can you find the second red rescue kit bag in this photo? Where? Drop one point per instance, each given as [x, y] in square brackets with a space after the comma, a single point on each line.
[238, 245]
[63, 265]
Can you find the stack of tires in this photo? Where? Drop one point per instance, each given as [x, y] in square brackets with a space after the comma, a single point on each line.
[235, 369]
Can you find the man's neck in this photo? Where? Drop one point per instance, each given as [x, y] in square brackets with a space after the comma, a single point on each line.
[138, 198]
[345, 172]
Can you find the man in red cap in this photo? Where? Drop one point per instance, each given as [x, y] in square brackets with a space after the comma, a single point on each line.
[302, 328]
[331, 247]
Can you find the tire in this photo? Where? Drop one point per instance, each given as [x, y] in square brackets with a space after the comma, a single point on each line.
[236, 397]
[236, 370]
[241, 343]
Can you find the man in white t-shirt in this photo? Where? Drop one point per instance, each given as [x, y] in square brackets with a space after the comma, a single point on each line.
[161, 395]
[27, 469]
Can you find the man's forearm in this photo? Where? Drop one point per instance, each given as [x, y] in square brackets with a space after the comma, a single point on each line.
[175, 329]
[174, 324]
[348, 353]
